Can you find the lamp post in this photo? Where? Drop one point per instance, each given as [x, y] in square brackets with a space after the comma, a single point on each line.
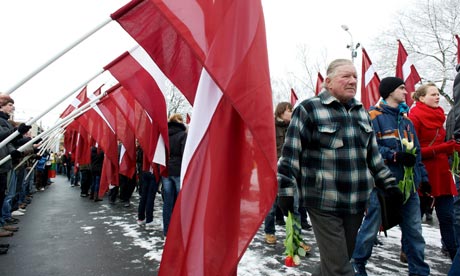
[351, 46]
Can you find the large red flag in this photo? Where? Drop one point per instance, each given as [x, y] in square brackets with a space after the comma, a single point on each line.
[458, 48]
[370, 83]
[77, 102]
[216, 51]
[319, 84]
[406, 71]
[294, 98]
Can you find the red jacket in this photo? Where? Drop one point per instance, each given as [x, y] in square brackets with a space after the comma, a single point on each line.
[429, 125]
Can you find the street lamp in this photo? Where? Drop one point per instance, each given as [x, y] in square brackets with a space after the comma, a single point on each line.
[351, 46]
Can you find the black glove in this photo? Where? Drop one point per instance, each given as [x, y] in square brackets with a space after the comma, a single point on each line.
[425, 188]
[395, 194]
[405, 158]
[38, 157]
[15, 154]
[286, 204]
[23, 128]
[38, 141]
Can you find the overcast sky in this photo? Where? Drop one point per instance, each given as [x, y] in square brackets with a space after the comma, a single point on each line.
[33, 32]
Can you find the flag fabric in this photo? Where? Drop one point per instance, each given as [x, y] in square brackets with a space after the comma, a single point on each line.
[216, 54]
[406, 71]
[294, 98]
[77, 102]
[369, 82]
[136, 72]
[319, 84]
[458, 48]
[187, 121]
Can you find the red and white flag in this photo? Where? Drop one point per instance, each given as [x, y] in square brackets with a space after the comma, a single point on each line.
[370, 83]
[458, 48]
[294, 97]
[229, 164]
[319, 84]
[77, 102]
[406, 71]
[137, 72]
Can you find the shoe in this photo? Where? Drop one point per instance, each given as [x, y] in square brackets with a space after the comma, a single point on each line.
[97, 199]
[21, 210]
[270, 238]
[17, 213]
[4, 233]
[83, 195]
[4, 245]
[141, 222]
[305, 225]
[403, 257]
[3, 251]
[377, 241]
[72, 185]
[42, 189]
[10, 221]
[10, 228]
[359, 268]
[127, 204]
[280, 222]
[428, 217]
[149, 225]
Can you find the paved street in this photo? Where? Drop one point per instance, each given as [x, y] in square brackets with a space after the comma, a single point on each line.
[64, 234]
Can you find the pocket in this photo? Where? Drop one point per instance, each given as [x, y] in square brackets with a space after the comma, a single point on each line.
[366, 132]
[329, 136]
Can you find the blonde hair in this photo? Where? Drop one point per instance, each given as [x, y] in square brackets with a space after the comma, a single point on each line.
[422, 90]
[176, 117]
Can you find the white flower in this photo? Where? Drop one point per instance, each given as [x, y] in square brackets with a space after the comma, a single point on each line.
[296, 259]
[409, 145]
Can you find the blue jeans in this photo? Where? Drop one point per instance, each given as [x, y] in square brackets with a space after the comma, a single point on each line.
[269, 223]
[413, 243]
[445, 212]
[171, 188]
[148, 192]
[368, 231]
[95, 186]
[8, 201]
[455, 267]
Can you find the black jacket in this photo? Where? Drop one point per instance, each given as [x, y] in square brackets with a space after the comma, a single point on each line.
[177, 136]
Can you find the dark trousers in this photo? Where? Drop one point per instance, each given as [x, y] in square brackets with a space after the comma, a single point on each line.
[86, 180]
[148, 193]
[127, 186]
[3, 182]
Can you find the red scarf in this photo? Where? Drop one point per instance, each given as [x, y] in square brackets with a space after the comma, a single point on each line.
[429, 116]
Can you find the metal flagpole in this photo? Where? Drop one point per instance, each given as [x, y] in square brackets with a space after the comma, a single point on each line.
[38, 70]
[33, 120]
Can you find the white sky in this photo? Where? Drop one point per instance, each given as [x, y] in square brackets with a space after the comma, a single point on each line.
[33, 32]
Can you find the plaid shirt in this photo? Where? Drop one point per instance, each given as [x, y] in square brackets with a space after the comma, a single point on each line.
[331, 154]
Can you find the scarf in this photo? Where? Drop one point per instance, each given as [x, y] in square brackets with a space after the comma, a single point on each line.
[403, 107]
[431, 117]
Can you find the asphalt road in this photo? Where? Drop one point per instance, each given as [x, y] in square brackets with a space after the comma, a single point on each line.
[65, 234]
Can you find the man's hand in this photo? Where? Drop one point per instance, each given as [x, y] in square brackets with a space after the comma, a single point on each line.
[286, 204]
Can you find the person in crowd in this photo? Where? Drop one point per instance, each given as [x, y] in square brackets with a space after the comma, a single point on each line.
[86, 179]
[453, 132]
[97, 158]
[150, 176]
[6, 129]
[428, 119]
[331, 156]
[171, 185]
[41, 177]
[393, 128]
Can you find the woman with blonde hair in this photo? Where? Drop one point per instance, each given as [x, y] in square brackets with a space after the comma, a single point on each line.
[428, 119]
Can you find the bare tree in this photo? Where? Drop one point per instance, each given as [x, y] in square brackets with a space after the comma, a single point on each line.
[427, 31]
[176, 102]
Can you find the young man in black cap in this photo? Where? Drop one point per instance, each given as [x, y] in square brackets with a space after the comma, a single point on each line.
[394, 131]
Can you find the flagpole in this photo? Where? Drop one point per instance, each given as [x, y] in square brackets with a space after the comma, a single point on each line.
[33, 120]
[73, 115]
[70, 47]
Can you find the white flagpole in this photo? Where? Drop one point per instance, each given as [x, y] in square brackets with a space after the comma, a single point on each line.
[33, 120]
[38, 70]
[74, 114]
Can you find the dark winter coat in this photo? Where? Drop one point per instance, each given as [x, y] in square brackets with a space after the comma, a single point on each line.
[177, 136]
[97, 158]
[6, 129]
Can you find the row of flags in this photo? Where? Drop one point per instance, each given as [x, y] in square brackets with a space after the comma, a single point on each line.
[370, 81]
[228, 173]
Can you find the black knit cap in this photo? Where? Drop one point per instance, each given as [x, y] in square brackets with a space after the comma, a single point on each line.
[388, 85]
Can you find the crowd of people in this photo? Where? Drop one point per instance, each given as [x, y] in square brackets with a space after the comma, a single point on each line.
[359, 171]
[351, 171]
